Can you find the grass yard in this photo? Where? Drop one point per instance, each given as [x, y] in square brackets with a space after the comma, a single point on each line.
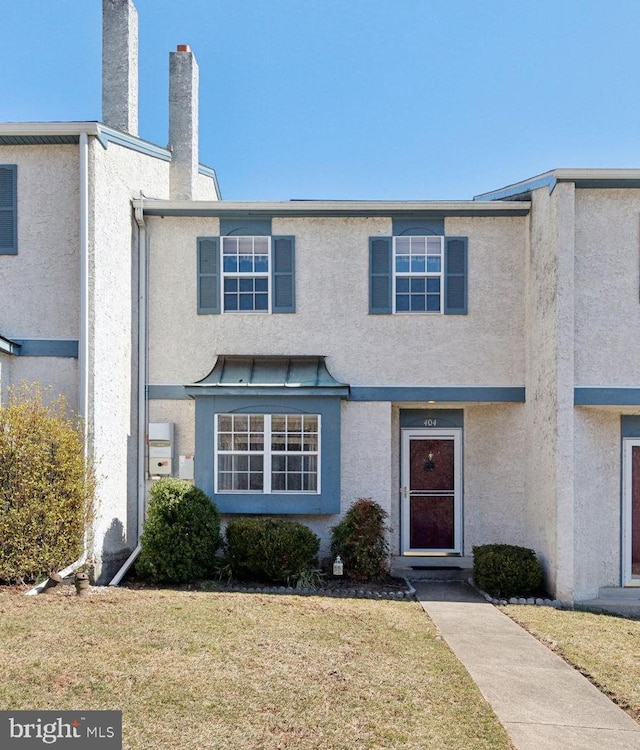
[604, 648]
[225, 670]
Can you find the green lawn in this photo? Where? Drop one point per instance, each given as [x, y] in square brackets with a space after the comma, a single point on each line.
[227, 670]
[604, 648]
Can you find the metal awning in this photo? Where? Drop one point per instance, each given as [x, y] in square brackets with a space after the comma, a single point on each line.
[240, 374]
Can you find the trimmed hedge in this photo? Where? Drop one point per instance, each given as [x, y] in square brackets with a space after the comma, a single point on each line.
[505, 570]
[270, 549]
[360, 540]
[181, 534]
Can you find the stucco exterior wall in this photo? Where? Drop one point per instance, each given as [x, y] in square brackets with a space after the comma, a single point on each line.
[117, 175]
[494, 475]
[607, 269]
[597, 500]
[40, 285]
[204, 188]
[549, 304]
[57, 375]
[332, 306]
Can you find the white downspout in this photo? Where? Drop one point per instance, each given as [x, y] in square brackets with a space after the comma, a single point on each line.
[83, 343]
[142, 386]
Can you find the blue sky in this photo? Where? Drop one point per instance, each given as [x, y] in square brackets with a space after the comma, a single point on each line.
[356, 99]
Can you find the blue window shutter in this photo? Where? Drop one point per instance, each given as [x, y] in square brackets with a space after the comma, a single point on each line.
[283, 275]
[208, 275]
[8, 209]
[380, 275]
[455, 276]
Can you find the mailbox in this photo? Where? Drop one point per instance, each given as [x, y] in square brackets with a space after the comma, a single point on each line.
[160, 457]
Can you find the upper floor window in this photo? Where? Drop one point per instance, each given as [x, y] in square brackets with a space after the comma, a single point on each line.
[246, 274]
[418, 274]
[8, 209]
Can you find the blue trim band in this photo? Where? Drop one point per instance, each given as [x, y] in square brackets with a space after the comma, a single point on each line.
[431, 418]
[47, 348]
[481, 394]
[612, 396]
[167, 392]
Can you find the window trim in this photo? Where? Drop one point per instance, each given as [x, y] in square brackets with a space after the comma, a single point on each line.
[267, 453]
[440, 275]
[329, 407]
[247, 274]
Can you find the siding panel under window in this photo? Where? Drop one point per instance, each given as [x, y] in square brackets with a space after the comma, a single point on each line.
[283, 274]
[380, 275]
[208, 275]
[8, 209]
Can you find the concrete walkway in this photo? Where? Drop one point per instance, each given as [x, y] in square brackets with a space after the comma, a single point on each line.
[543, 703]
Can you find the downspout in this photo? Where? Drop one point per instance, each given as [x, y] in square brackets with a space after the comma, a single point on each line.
[142, 386]
[83, 343]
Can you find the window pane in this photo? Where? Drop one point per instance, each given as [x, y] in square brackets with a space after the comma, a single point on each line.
[245, 245]
[434, 245]
[261, 245]
[278, 423]
[261, 285]
[294, 423]
[246, 301]
[294, 482]
[256, 423]
[262, 302]
[231, 285]
[279, 463]
[417, 303]
[294, 463]
[418, 245]
[433, 285]
[245, 285]
[230, 302]
[402, 302]
[417, 263]
[402, 264]
[230, 263]
[402, 285]
[418, 286]
[224, 423]
[310, 424]
[278, 481]
[433, 264]
[225, 441]
[403, 245]
[245, 264]
[240, 422]
[261, 263]
[225, 481]
[433, 303]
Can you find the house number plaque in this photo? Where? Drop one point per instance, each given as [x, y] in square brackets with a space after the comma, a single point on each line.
[430, 422]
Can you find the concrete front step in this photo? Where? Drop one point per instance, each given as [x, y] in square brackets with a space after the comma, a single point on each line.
[432, 568]
[630, 593]
[611, 606]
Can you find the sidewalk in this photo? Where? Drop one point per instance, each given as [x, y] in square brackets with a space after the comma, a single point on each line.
[543, 703]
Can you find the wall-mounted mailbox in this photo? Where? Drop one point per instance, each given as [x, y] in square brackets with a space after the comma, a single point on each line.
[160, 449]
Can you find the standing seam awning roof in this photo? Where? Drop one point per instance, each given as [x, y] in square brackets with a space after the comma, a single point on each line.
[270, 372]
[8, 346]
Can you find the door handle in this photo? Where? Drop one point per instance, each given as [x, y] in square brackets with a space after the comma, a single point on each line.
[404, 491]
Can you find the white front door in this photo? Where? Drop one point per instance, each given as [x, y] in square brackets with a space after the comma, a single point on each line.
[631, 511]
[431, 491]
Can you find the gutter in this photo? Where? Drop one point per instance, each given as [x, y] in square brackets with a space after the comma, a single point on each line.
[83, 344]
[142, 385]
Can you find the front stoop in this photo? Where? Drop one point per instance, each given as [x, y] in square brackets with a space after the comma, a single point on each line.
[614, 600]
[432, 568]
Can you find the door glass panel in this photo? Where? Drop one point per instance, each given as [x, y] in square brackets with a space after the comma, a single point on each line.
[431, 522]
[635, 511]
[431, 465]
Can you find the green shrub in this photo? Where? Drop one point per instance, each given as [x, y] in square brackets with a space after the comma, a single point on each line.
[506, 570]
[270, 549]
[181, 534]
[46, 485]
[360, 540]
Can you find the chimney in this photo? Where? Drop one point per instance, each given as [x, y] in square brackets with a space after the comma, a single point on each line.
[120, 65]
[183, 122]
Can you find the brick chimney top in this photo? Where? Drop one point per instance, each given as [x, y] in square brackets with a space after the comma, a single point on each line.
[184, 48]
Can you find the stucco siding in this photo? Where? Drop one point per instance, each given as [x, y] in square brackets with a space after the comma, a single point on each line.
[607, 269]
[494, 475]
[117, 175]
[332, 306]
[41, 284]
[597, 500]
[57, 375]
